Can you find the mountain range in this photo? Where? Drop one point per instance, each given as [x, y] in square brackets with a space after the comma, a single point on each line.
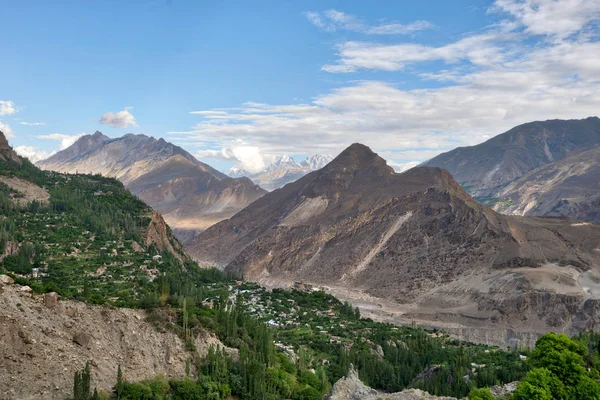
[282, 171]
[190, 194]
[546, 168]
[414, 246]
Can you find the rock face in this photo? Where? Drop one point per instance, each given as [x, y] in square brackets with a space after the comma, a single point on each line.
[41, 348]
[6, 152]
[159, 235]
[540, 168]
[415, 244]
[569, 187]
[351, 388]
[190, 194]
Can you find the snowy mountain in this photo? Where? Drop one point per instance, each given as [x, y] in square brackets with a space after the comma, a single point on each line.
[282, 171]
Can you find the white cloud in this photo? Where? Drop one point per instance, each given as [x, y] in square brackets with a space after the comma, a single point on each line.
[121, 119]
[248, 158]
[8, 107]
[33, 154]
[6, 129]
[486, 83]
[32, 123]
[551, 17]
[65, 140]
[333, 20]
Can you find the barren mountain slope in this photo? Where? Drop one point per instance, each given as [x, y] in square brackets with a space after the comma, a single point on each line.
[416, 240]
[43, 345]
[486, 167]
[569, 187]
[191, 195]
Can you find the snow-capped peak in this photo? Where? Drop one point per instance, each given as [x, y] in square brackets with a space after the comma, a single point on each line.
[237, 172]
[316, 161]
[283, 161]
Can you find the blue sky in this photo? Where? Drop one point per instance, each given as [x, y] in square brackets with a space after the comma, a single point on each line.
[240, 82]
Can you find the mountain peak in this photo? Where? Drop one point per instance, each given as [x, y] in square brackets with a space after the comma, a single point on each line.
[357, 156]
[316, 161]
[99, 135]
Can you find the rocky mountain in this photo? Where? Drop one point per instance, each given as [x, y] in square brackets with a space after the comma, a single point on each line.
[485, 168]
[283, 171]
[540, 168]
[191, 195]
[568, 187]
[413, 247]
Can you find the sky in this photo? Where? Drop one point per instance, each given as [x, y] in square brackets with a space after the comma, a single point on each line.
[241, 82]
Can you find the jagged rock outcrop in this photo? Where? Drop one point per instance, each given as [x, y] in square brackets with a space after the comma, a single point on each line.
[189, 194]
[41, 347]
[414, 241]
[351, 388]
[544, 168]
[159, 235]
[6, 152]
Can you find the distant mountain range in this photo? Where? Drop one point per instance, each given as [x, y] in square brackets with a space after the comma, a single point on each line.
[415, 246]
[190, 194]
[548, 168]
[284, 170]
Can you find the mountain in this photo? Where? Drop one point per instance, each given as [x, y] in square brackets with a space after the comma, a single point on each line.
[283, 171]
[484, 168]
[316, 161]
[413, 246]
[78, 231]
[190, 194]
[498, 170]
[568, 187]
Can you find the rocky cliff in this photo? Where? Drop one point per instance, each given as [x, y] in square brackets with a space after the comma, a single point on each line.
[416, 242]
[46, 339]
[6, 152]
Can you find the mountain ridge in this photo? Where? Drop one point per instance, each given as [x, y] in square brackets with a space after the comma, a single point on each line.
[414, 242]
[190, 194]
[498, 170]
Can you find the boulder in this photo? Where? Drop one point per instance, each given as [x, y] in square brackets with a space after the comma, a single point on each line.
[6, 280]
[51, 299]
[83, 339]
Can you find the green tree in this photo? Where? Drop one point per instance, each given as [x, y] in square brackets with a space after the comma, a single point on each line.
[480, 394]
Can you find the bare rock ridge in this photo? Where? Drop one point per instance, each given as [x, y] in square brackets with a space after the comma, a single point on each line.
[568, 187]
[6, 152]
[539, 168]
[45, 340]
[189, 194]
[414, 244]
[351, 388]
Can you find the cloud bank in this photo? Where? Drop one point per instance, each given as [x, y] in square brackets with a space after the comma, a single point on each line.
[538, 61]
